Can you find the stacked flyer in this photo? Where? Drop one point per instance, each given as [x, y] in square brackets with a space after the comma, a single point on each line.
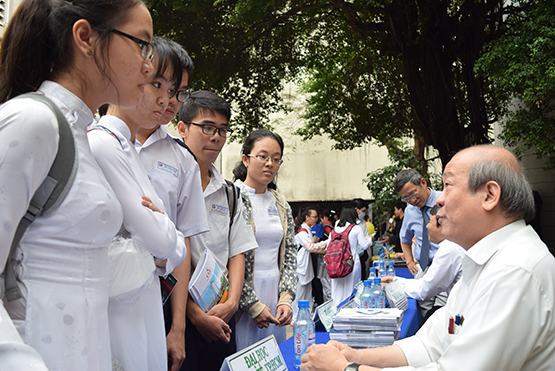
[396, 295]
[367, 328]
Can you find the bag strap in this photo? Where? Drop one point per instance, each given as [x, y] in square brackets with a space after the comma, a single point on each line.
[52, 190]
[345, 233]
[232, 196]
[182, 144]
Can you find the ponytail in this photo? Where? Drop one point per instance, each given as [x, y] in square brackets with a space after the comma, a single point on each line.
[26, 55]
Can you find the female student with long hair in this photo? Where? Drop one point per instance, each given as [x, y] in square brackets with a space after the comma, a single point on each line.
[136, 321]
[80, 54]
[274, 277]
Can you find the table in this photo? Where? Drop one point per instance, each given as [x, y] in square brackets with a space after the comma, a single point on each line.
[411, 322]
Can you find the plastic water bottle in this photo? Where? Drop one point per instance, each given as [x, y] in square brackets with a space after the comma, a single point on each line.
[378, 296]
[390, 268]
[371, 274]
[303, 331]
[366, 297]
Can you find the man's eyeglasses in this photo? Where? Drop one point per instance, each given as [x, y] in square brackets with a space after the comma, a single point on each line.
[265, 158]
[211, 129]
[147, 50]
[411, 196]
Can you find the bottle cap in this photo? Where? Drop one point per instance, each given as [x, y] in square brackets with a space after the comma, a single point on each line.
[377, 281]
[303, 304]
[367, 283]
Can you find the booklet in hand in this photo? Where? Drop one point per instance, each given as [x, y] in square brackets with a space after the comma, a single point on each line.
[209, 284]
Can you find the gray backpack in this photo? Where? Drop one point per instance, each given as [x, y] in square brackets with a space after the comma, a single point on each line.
[49, 194]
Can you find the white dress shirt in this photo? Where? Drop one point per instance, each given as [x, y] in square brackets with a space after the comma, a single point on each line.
[223, 243]
[506, 297]
[441, 275]
[175, 176]
[120, 163]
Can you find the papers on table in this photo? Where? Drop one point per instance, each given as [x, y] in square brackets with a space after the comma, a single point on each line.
[208, 284]
[396, 295]
[367, 328]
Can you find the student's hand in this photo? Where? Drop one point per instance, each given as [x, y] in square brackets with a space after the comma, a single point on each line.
[284, 314]
[223, 310]
[213, 328]
[160, 263]
[175, 342]
[323, 357]
[264, 319]
[147, 202]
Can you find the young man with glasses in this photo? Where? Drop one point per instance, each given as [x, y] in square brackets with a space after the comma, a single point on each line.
[413, 189]
[204, 127]
[175, 175]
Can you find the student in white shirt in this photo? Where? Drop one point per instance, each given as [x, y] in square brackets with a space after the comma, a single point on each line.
[175, 175]
[268, 308]
[499, 316]
[80, 54]
[136, 321]
[204, 126]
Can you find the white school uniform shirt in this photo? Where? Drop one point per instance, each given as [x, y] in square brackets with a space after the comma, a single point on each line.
[506, 296]
[120, 162]
[175, 176]
[441, 275]
[62, 259]
[305, 271]
[219, 240]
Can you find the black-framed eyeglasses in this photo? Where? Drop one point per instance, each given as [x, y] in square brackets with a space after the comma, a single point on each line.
[265, 158]
[182, 95]
[209, 129]
[147, 50]
[410, 196]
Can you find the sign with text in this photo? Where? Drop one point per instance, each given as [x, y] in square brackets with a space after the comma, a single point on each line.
[326, 311]
[261, 356]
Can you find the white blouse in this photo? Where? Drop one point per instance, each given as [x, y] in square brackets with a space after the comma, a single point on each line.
[120, 163]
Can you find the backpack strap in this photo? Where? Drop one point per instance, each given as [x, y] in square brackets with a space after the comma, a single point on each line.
[345, 233]
[232, 194]
[182, 144]
[302, 230]
[52, 190]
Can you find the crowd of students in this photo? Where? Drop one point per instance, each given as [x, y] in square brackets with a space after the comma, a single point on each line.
[138, 204]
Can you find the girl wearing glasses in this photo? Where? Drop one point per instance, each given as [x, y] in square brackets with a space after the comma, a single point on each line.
[175, 175]
[274, 278]
[66, 51]
[136, 321]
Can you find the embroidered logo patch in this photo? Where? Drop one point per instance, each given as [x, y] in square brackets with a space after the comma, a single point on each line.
[220, 209]
[167, 168]
[273, 211]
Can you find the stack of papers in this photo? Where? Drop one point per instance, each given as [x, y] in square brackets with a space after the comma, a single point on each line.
[367, 328]
[396, 295]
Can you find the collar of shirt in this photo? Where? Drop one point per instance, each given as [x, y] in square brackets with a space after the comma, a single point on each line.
[432, 198]
[156, 136]
[242, 186]
[216, 181]
[66, 99]
[118, 127]
[484, 249]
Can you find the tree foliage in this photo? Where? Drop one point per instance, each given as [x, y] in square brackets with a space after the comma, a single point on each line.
[373, 69]
[521, 65]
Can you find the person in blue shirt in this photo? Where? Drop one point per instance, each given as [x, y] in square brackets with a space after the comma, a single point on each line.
[417, 248]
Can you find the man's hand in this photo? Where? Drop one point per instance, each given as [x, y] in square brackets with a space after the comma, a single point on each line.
[411, 265]
[322, 357]
[347, 351]
[284, 314]
[387, 279]
[213, 328]
[175, 341]
[264, 319]
[224, 310]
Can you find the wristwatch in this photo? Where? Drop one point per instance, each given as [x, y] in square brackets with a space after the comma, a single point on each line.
[352, 367]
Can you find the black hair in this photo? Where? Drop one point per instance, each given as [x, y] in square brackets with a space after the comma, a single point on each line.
[170, 54]
[37, 42]
[359, 203]
[203, 100]
[240, 171]
[348, 214]
[400, 204]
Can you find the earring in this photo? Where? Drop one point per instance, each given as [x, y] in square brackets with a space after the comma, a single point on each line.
[90, 52]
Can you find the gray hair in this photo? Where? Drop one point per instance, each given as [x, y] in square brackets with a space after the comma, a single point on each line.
[405, 176]
[517, 199]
